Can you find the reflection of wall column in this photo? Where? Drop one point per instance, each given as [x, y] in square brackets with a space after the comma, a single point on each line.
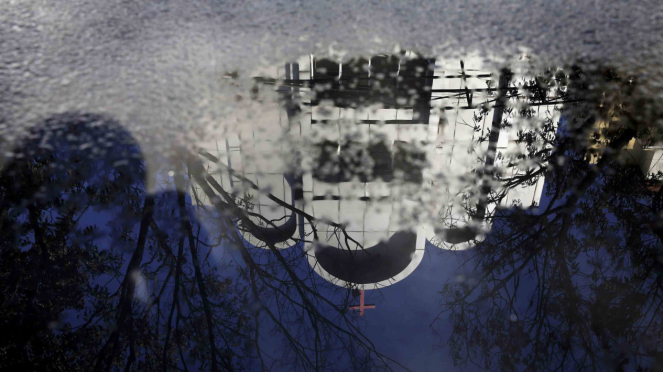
[491, 154]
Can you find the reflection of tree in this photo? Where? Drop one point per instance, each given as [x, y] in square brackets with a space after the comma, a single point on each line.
[97, 274]
[318, 332]
[49, 256]
[574, 286]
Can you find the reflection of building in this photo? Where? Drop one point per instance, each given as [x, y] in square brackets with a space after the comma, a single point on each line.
[384, 145]
[648, 158]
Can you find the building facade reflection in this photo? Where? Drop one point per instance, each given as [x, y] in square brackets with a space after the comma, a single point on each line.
[365, 163]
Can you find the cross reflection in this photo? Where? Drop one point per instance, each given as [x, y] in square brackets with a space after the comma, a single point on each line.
[362, 306]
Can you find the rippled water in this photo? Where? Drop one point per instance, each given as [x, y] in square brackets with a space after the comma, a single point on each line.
[397, 211]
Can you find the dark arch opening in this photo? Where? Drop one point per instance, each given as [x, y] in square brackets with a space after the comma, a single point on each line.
[372, 264]
[280, 234]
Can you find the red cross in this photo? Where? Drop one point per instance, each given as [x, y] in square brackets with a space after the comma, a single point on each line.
[361, 306]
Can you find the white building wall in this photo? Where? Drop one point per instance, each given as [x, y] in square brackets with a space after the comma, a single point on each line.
[450, 140]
